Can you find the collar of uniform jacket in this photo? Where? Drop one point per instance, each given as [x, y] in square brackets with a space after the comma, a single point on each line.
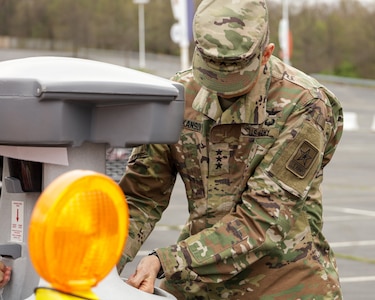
[249, 108]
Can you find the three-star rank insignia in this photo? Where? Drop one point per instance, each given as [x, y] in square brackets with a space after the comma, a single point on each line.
[301, 161]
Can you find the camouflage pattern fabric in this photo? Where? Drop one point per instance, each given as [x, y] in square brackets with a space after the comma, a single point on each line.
[252, 174]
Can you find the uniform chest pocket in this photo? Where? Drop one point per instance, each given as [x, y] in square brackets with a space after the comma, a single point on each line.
[257, 140]
[237, 158]
[258, 149]
[219, 159]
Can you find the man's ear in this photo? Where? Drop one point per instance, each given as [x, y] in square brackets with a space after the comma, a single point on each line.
[267, 53]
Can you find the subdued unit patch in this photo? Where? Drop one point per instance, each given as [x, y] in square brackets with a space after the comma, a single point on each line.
[302, 159]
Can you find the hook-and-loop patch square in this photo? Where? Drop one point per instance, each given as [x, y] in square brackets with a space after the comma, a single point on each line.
[295, 165]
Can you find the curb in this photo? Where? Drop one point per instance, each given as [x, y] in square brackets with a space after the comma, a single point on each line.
[345, 80]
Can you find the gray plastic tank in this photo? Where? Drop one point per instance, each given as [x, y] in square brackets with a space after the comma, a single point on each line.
[66, 101]
[78, 107]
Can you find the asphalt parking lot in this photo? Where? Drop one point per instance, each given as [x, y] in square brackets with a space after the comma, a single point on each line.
[349, 195]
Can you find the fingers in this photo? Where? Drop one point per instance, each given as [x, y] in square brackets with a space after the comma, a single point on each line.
[4, 274]
[145, 274]
[142, 283]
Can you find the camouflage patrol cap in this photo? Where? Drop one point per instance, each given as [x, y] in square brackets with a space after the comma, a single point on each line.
[230, 36]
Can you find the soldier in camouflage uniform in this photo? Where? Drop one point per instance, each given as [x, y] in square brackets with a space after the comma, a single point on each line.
[256, 136]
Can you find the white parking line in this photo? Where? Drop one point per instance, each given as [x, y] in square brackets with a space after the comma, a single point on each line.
[352, 243]
[350, 121]
[345, 218]
[357, 279]
[353, 211]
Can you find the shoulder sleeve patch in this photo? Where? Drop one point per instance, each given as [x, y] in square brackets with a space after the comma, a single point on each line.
[295, 166]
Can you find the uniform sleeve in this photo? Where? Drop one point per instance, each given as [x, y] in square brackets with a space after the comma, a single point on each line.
[147, 185]
[268, 209]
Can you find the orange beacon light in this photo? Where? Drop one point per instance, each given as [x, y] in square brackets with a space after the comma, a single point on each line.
[77, 231]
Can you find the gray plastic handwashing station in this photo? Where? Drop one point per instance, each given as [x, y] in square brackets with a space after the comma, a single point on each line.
[59, 114]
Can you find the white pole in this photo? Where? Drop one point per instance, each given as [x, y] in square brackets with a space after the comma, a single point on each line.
[180, 30]
[286, 54]
[141, 25]
[184, 42]
[184, 53]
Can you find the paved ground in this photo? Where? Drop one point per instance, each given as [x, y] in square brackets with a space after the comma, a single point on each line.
[349, 206]
[349, 190]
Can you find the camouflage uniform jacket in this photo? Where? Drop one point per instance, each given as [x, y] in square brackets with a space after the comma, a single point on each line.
[252, 175]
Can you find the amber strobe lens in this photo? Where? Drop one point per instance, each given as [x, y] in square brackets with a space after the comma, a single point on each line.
[77, 230]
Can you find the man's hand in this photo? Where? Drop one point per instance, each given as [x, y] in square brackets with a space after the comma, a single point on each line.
[4, 274]
[145, 274]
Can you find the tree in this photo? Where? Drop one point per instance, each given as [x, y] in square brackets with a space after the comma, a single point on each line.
[335, 39]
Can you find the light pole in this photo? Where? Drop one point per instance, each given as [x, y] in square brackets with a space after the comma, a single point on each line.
[183, 13]
[141, 31]
[284, 34]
